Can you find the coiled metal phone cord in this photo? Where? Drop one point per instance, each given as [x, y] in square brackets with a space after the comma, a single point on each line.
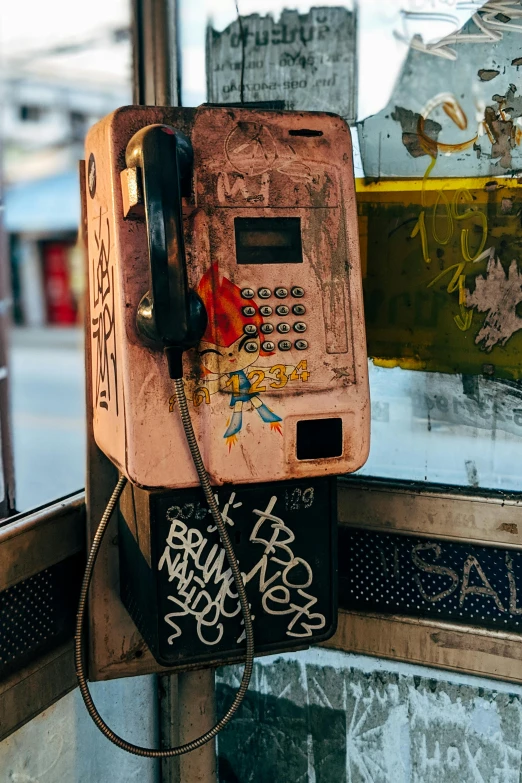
[241, 591]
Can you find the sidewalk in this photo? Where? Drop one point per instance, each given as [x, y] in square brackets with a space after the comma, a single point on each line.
[47, 337]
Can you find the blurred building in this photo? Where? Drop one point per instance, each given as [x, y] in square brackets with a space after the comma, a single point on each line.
[47, 108]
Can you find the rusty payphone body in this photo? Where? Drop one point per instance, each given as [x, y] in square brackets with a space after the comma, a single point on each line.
[278, 383]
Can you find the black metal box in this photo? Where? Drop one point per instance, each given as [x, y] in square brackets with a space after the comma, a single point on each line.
[176, 583]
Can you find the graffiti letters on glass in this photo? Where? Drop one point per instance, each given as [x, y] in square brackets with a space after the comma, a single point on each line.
[102, 318]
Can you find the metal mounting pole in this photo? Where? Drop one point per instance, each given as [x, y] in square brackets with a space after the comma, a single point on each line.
[187, 701]
[156, 56]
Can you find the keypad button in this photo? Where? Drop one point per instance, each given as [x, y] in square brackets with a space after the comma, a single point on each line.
[284, 345]
[281, 293]
[251, 329]
[265, 310]
[283, 328]
[301, 345]
[264, 293]
[248, 293]
[282, 309]
[297, 291]
[267, 328]
[268, 346]
[300, 326]
[299, 309]
[249, 311]
[251, 347]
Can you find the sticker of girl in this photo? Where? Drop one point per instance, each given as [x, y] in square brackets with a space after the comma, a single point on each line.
[226, 351]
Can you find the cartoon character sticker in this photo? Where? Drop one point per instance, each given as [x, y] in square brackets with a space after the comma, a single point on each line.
[226, 351]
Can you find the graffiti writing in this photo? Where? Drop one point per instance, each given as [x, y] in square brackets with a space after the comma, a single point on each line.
[203, 586]
[294, 574]
[102, 318]
[491, 22]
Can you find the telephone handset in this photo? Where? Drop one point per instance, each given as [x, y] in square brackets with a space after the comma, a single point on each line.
[268, 307]
[170, 315]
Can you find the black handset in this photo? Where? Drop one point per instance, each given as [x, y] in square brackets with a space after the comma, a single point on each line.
[170, 314]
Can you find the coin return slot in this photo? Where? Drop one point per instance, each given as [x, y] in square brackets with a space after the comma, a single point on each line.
[319, 438]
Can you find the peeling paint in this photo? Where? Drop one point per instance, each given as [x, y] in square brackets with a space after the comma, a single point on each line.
[411, 137]
[498, 294]
[486, 74]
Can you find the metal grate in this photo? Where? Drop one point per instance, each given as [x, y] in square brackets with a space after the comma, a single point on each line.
[38, 613]
[26, 616]
[406, 575]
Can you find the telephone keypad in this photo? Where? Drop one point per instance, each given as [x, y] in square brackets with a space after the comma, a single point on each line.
[282, 310]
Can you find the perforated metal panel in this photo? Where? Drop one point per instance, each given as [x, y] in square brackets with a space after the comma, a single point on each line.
[38, 613]
[406, 575]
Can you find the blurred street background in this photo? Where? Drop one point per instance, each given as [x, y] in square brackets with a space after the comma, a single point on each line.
[47, 402]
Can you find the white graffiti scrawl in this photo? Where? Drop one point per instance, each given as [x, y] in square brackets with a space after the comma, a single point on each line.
[203, 586]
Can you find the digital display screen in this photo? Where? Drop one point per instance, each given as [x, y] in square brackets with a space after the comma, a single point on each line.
[268, 240]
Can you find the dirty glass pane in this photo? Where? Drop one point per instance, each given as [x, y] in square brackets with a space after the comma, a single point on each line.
[57, 79]
[437, 150]
[440, 207]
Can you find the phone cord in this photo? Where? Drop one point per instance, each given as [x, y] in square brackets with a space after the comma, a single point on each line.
[138, 750]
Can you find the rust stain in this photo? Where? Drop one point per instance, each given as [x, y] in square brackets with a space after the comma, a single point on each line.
[473, 643]
[509, 527]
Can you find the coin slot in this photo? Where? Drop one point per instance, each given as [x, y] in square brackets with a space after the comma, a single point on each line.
[319, 438]
[304, 132]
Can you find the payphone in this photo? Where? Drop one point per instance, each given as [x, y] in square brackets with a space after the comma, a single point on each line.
[228, 364]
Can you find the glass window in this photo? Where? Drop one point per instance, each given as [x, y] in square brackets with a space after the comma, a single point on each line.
[436, 134]
[57, 80]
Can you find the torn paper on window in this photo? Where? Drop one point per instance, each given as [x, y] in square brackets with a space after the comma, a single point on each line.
[308, 61]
